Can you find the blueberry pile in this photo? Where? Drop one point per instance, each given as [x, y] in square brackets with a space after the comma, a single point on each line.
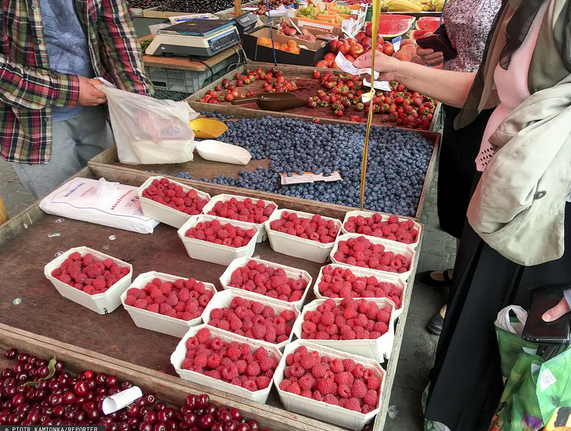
[398, 160]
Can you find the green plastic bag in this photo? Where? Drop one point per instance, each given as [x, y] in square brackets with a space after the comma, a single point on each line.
[534, 390]
[510, 346]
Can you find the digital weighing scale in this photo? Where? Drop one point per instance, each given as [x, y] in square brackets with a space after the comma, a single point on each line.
[200, 37]
[195, 38]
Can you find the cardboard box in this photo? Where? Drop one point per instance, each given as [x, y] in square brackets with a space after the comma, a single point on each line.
[307, 57]
[319, 34]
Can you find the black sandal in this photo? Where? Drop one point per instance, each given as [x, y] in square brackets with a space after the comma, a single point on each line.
[424, 279]
[435, 324]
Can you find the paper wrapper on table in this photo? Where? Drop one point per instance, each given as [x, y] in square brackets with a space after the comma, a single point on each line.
[260, 396]
[102, 303]
[290, 272]
[377, 349]
[148, 130]
[159, 322]
[100, 202]
[320, 410]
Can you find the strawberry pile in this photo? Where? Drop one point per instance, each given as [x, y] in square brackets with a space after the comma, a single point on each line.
[168, 193]
[337, 282]
[247, 210]
[399, 106]
[391, 229]
[348, 320]
[338, 382]
[362, 252]
[316, 228]
[274, 82]
[266, 280]
[232, 363]
[218, 233]
[253, 319]
[181, 299]
[89, 274]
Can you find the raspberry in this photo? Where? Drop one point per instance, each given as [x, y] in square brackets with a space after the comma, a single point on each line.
[317, 396]
[371, 398]
[352, 404]
[336, 366]
[284, 385]
[200, 361]
[214, 360]
[344, 378]
[153, 308]
[306, 382]
[318, 371]
[263, 382]
[331, 399]
[294, 389]
[203, 335]
[324, 385]
[309, 360]
[141, 303]
[130, 300]
[344, 390]
[359, 389]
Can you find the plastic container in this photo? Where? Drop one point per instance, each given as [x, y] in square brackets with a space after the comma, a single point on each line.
[320, 410]
[395, 247]
[295, 246]
[291, 273]
[102, 303]
[212, 252]
[365, 272]
[164, 213]
[224, 197]
[377, 349]
[223, 300]
[155, 321]
[179, 354]
[384, 217]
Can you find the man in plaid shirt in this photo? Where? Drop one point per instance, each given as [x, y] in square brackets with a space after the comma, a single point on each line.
[52, 117]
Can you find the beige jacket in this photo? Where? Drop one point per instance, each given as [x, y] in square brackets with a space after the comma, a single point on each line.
[518, 207]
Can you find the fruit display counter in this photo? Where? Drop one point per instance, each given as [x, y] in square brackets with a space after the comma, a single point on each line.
[329, 94]
[35, 319]
[399, 169]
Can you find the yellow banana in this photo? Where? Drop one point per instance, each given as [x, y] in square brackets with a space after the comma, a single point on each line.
[404, 6]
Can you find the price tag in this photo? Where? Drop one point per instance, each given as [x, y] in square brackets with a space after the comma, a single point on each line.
[396, 43]
[310, 177]
[379, 85]
[121, 400]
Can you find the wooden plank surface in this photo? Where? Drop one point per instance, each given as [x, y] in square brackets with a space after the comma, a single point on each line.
[26, 246]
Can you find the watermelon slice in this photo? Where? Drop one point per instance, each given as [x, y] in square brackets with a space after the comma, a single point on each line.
[392, 25]
[418, 34]
[429, 23]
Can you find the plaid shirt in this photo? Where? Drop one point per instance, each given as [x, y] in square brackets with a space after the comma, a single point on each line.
[29, 89]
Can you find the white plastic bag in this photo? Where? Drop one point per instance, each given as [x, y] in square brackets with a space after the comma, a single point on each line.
[148, 130]
[505, 322]
[100, 202]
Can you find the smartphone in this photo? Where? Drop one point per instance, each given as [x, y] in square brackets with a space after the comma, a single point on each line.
[536, 330]
[438, 44]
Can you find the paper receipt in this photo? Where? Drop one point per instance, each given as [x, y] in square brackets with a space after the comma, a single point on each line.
[348, 67]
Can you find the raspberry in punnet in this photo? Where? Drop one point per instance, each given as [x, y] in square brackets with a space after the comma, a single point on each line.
[363, 253]
[89, 274]
[253, 319]
[235, 363]
[349, 320]
[171, 194]
[391, 229]
[268, 281]
[181, 299]
[248, 210]
[338, 382]
[221, 233]
[315, 228]
[337, 282]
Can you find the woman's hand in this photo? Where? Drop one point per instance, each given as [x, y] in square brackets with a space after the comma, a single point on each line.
[556, 312]
[428, 55]
[385, 65]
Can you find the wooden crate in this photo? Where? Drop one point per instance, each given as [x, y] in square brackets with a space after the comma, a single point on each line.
[112, 343]
[107, 163]
[290, 72]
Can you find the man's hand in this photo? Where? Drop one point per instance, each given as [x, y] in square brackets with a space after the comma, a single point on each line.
[89, 95]
[384, 64]
[556, 312]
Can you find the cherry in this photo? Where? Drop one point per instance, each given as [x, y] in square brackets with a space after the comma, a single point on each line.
[236, 415]
[23, 357]
[150, 417]
[34, 416]
[101, 390]
[114, 390]
[7, 373]
[133, 422]
[68, 398]
[69, 415]
[124, 426]
[162, 416]
[18, 368]
[80, 388]
[112, 427]
[91, 385]
[160, 426]
[142, 411]
[205, 422]
[55, 400]
[11, 354]
[191, 402]
[230, 425]
[190, 419]
[93, 415]
[80, 416]
[126, 385]
[22, 377]
[59, 367]
[101, 379]
[53, 385]
[202, 401]
[58, 411]
[32, 360]
[133, 410]
[10, 391]
[18, 400]
[160, 406]
[150, 399]
[41, 394]
[112, 381]
[218, 426]
[146, 426]
[172, 425]
[42, 384]
[243, 427]
[41, 363]
[28, 367]
[88, 375]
